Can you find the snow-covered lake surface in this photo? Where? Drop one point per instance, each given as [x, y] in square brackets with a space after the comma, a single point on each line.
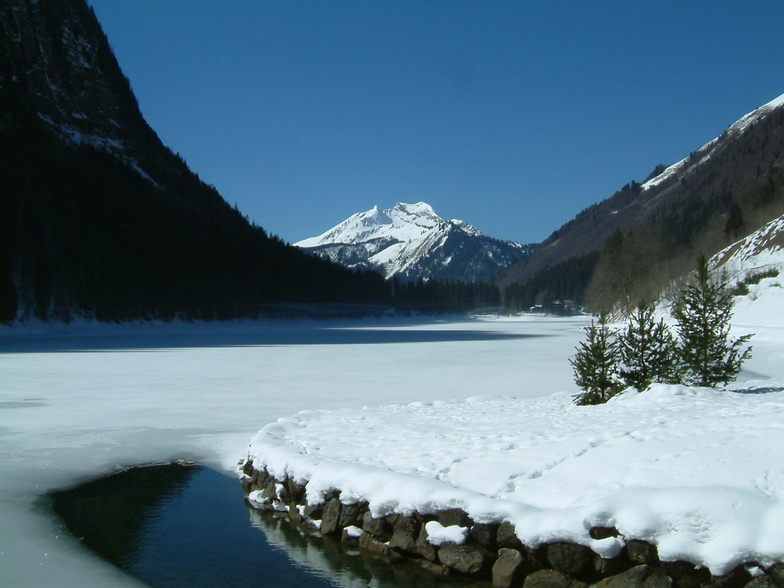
[81, 401]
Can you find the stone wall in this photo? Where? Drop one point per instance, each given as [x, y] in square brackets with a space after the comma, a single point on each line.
[490, 551]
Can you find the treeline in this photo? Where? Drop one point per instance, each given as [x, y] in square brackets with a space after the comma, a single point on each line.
[82, 234]
[559, 289]
[444, 296]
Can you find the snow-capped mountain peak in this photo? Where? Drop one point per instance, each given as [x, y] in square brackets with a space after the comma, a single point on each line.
[413, 241]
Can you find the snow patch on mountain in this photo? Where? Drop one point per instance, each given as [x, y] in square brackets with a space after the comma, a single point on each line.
[412, 241]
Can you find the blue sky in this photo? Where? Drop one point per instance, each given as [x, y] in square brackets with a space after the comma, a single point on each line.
[511, 115]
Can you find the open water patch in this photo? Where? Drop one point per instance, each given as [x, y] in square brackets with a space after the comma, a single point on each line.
[178, 525]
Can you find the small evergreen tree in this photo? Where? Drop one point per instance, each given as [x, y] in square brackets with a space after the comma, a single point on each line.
[647, 350]
[703, 312]
[595, 364]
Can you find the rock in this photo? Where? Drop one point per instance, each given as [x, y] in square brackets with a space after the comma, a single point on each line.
[552, 579]
[314, 511]
[762, 582]
[424, 547]
[507, 537]
[773, 578]
[261, 478]
[737, 578]
[453, 516]
[283, 493]
[294, 515]
[603, 532]
[404, 534]
[610, 567]
[331, 517]
[295, 492]
[379, 528]
[351, 515]
[643, 576]
[509, 569]
[685, 575]
[484, 534]
[247, 468]
[641, 552]
[269, 492]
[776, 573]
[432, 567]
[466, 559]
[372, 545]
[536, 558]
[348, 538]
[571, 558]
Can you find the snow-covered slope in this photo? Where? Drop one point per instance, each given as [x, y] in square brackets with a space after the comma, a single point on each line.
[706, 151]
[411, 241]
[759, 254]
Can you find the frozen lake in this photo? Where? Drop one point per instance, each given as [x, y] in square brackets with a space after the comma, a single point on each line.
[80, 401]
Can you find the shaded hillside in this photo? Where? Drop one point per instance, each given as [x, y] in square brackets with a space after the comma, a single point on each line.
[647, 233]
[99, 218]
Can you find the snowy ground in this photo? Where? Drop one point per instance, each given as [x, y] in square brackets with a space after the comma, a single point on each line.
[81, 401]
[696, 471]
[699, 472]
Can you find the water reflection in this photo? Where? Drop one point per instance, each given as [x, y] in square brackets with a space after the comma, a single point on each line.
[348, 568]
[111, 515]
[176, 525]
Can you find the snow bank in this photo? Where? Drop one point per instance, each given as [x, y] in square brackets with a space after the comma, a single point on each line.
[692, 470]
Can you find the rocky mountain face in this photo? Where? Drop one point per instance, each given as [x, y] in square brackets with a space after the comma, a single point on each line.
[98, 218]
[57, 60]
[411, 242]
[633, 243]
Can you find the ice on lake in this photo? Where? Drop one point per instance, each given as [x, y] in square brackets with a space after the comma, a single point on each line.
[83, 400]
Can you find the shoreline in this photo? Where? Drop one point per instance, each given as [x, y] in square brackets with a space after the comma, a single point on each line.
[450, 543]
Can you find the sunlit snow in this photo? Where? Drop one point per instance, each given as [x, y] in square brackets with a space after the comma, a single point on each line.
[695, 471]
[84, 400]
[475, 412]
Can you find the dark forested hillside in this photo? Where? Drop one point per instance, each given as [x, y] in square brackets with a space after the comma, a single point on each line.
[632, 244]
[98, 218]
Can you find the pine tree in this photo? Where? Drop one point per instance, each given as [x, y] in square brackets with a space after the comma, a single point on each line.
[647, 350]
[703, 312]
[595, 364]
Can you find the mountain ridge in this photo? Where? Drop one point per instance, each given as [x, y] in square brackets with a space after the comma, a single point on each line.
[411, 242]
[633, 243]
[98, 218]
